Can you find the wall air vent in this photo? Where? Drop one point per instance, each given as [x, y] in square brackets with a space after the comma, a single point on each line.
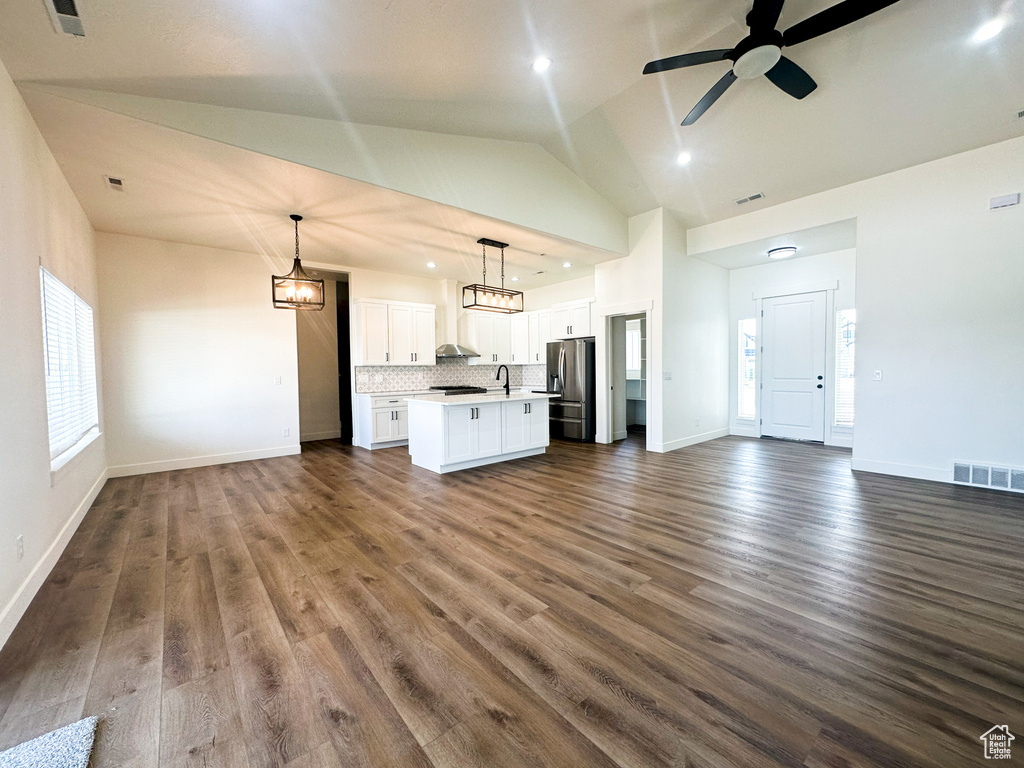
[983, 476]
[65, 18]
[115, 183]
[752, 198]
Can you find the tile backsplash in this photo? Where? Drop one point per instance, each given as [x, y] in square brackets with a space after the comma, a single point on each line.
[410, 378]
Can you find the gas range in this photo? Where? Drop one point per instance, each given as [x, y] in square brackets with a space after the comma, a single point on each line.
[462, 390]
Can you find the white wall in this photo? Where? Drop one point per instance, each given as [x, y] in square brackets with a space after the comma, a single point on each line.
[781, 278]
[695, 345]
[192, 346]
[41, 223]
[317, 336]
[939, 311]
[569, 290]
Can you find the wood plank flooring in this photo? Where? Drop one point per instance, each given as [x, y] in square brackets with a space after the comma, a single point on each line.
[737, 603]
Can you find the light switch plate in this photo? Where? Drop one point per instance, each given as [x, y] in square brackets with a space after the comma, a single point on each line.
[285, 432]
[878, 375]
[667, 375]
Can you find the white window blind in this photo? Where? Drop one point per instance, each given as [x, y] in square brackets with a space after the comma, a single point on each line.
[69, 349]
[846, 333]
[746, 407]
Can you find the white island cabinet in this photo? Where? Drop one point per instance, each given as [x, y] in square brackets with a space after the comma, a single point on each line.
[448, 433]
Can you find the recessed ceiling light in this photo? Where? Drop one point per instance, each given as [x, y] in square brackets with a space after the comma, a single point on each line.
[782, 253]
[684, 158]
[515, 279]
[989, 29]
[567, 265]
[431, 265]
[541, 64]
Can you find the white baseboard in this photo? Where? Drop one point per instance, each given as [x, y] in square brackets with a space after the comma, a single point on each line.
[901, 470]
[674, 445]
[15, 609]
[745, 431]
[331, 434]
[200, 461]
[620, 435]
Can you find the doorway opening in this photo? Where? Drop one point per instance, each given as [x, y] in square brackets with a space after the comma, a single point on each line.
[325, 364]
[629, 376]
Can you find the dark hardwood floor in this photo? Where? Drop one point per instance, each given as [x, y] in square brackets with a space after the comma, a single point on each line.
[737, 603]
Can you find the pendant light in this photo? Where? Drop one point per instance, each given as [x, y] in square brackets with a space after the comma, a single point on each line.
[490, 298]
[297, 290]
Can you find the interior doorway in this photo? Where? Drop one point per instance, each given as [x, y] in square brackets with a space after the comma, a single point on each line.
[325, 364]
[793, 360]
[629, 375]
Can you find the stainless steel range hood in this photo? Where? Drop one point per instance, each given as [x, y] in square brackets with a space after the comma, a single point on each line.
[455, 350]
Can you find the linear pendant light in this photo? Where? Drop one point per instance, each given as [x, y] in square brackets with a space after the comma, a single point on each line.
[297, 290]
[490, 298]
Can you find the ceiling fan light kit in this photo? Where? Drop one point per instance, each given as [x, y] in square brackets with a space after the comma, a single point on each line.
[488, 297]
[760, 52]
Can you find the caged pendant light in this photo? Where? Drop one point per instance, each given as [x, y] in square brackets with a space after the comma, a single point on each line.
[490, 298]
[297, 290]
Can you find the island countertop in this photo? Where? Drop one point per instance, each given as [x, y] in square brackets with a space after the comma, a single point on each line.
[490, 397]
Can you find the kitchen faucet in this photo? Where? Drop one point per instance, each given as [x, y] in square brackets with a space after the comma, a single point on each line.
[498, 378]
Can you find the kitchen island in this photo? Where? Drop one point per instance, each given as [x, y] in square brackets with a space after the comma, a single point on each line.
[452, 432]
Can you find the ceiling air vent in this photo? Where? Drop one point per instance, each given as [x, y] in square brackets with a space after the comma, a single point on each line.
[114, 183]
[65, 18]
[752, 198]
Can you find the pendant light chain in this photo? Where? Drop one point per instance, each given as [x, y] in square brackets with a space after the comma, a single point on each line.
[296, 240]
[485, 263]
[502, 269]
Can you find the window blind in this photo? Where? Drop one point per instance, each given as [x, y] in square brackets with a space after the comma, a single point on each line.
[846, 336]
[70, 358]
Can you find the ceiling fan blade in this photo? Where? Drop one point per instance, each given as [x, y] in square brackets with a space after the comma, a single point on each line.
[710, 98]
[791, 78]
[686, 60]
[764, 14]
[833, 18]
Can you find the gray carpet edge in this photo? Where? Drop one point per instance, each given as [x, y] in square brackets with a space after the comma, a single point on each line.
[67, 747]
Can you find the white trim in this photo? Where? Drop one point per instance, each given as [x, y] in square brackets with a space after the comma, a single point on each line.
[442, 469]
[572, 303]
[902, 470]
[148, 467]
[793, 290]
[745, 430]
[62, 465]
[620, 435]
[685, 442]
[388, 444]
[331, 434]
[15, 609]
[629, 308]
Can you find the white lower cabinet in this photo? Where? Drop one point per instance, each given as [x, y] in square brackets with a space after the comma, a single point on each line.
[472, 432]
[390, 425]
[525, 425]
[382, 420]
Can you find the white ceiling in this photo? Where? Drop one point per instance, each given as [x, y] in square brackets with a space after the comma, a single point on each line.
[904, 86]
[827, 238]
[187, 189]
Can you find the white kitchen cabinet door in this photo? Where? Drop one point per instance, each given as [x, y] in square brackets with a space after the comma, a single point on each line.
[458, 433]
[540, 353]
[561, 319]
[487, 430]
[383, 425]
[521, 338]
[400, 426]
[502, 330]
[424, 336]
[372, 344]
[400, 334]
[579, 319]
[515, 427]
[476, 331]
[537, 424]
[533, 338]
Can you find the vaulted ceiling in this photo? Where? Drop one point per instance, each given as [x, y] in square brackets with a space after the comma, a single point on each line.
[903, 86]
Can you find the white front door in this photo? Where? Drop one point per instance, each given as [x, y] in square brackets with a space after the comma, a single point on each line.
[793, 367]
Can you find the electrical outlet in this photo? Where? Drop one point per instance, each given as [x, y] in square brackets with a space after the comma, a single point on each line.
[666, 375]
[277, 379]
[878, 375]
[696, 422]
[285, 432]
[20, 543]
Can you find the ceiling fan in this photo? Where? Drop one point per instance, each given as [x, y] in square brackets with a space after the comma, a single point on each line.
[760, 52]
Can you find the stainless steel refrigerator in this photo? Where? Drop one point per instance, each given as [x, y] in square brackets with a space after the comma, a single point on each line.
[571, 377]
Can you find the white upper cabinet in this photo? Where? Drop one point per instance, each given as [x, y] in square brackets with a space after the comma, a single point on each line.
[371, 345]
[521, 325]
[394, 333]
[540, 350]
[571, 320]
[488, 334]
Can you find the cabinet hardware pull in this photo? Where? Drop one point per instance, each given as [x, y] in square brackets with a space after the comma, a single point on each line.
[387, 357]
